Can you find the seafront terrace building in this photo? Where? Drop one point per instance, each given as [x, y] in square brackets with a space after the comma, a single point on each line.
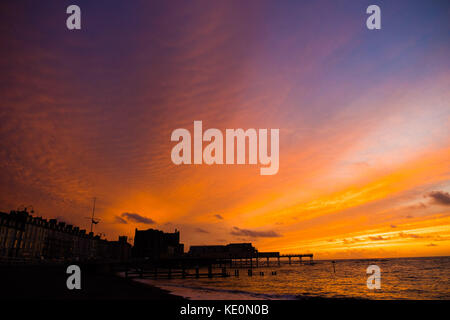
[34, 238]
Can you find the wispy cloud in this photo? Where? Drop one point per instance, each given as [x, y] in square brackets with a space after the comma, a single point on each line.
[135, 217]
[440, 197]
[410, 235]
[200, 230]
[118, 219]
[419, 205]
[378, 238]
[254, 234]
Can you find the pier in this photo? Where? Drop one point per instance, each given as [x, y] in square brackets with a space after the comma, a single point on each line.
[299, 256]
[189, 267]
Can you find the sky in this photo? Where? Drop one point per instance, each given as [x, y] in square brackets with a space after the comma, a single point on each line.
[364, 118]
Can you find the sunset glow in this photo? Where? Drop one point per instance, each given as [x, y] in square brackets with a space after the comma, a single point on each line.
[363, 118]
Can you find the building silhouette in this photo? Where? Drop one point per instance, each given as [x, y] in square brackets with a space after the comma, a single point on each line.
[156, 244]
[34, 238]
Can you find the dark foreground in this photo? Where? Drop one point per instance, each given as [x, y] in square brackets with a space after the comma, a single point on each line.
[103, 293]
[49, 282]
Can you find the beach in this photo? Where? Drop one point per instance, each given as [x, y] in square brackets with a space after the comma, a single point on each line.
[49, 283]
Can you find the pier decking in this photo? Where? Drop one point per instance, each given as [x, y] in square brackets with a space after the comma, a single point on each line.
[296, 255]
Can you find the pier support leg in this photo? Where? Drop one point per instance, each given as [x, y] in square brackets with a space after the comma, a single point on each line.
[209, 271]
[197, 273]
[267, 261]
[289, 260]
[279, 263]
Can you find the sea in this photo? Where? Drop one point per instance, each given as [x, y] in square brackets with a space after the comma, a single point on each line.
[401, 279]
